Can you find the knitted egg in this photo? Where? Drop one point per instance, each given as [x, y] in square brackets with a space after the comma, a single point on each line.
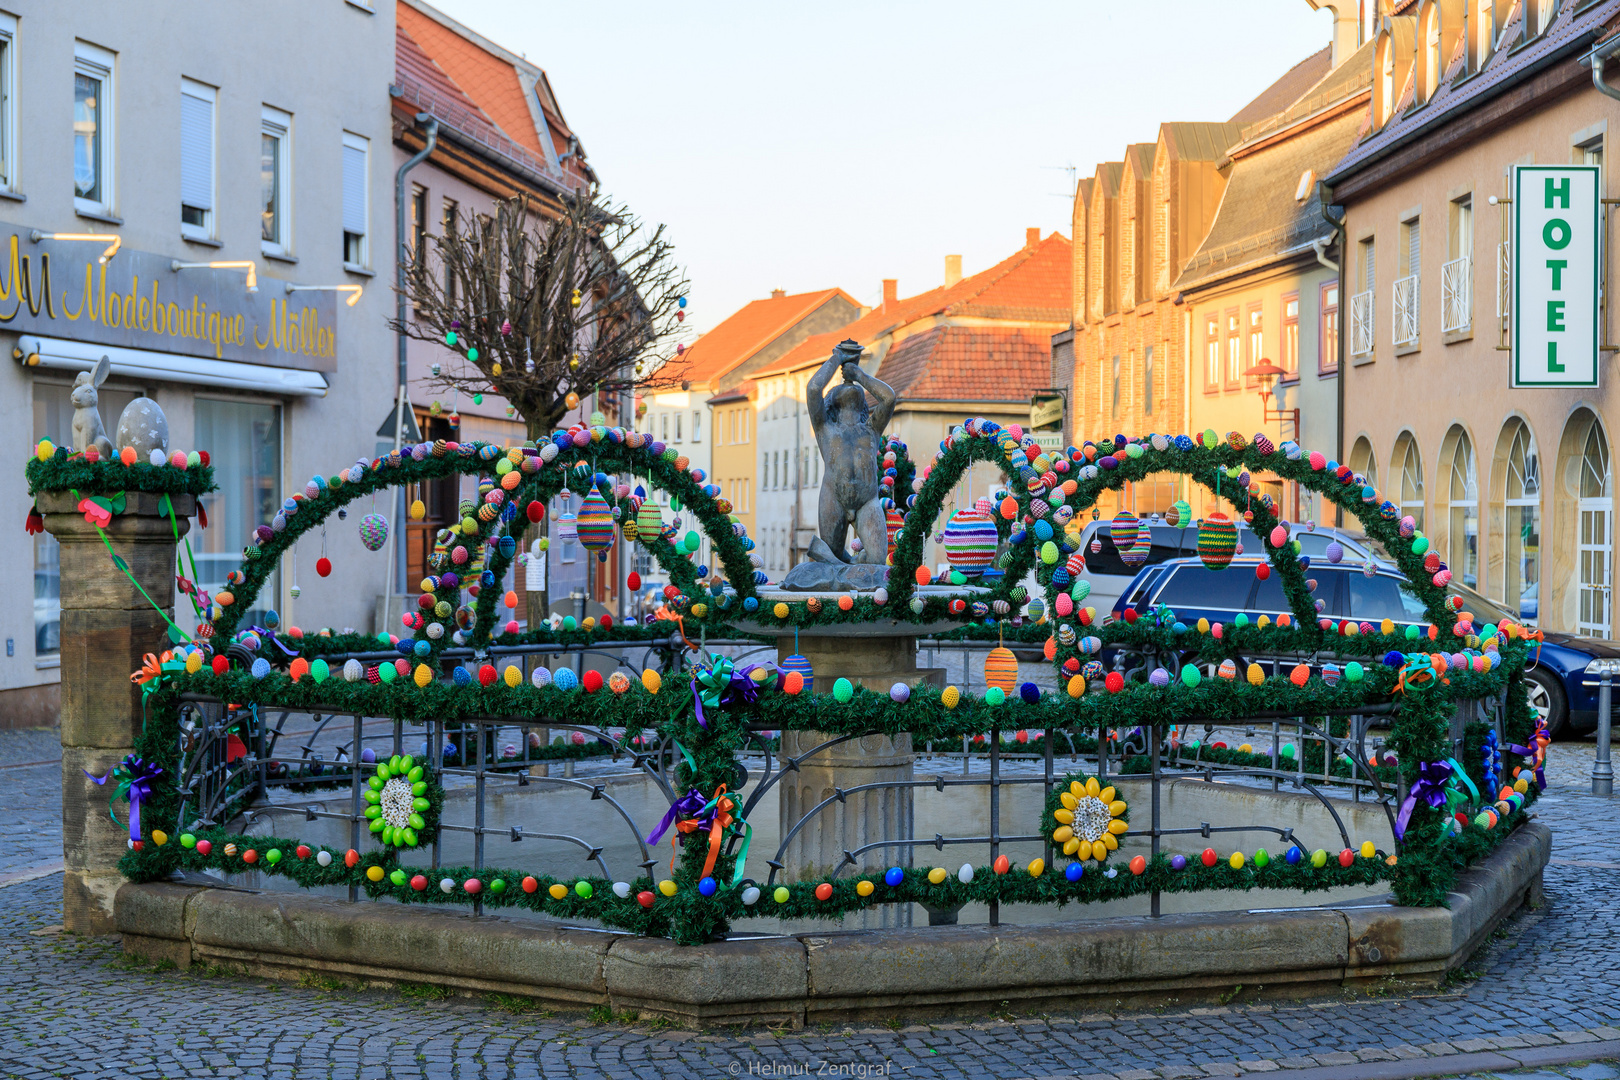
[1300, 675]
[1335, 552]
[1263, 444]
[373, 531]
[1180, 513]
[1227, 670]
[567, 526]
[1330, 674]
[594, 525]
[1217, 541]
[1254, 675]
[1066, 634]
[892, 520]
[1093, 670]
[1001, 669]
[648, 522]
[539, 677]
[1126, 529]
[353, 671]
[801, 665]
[970, 541]
[1159, 677]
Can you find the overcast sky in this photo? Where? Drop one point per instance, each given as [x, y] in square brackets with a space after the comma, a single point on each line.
[805, 145]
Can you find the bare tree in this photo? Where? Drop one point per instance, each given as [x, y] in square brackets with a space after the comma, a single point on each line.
[546, 301]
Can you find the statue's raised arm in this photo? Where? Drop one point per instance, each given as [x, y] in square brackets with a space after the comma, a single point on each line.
[814, 403]
[883, 396]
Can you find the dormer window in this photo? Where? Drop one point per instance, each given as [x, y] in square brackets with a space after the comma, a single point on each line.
[1307, 181]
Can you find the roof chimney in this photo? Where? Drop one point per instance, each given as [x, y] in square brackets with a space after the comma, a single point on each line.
[953, 270]
[1345, 30]
[777, 294]
[891, 291]
[1032, 237]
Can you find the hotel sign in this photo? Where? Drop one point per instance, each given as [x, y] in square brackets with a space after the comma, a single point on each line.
[59, 288]
[1557, 252]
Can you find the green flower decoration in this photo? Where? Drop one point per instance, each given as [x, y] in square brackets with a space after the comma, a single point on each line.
[403, 803]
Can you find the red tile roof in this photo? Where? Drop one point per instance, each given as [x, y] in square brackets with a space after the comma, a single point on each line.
[481, 75]
[748, 330]
[743, 391]
[970, 363]
[1033, 285]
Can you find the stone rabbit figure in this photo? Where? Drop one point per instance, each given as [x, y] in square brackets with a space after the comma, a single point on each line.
[87, 429]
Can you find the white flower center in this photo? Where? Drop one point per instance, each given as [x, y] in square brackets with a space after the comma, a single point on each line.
[1091, 817]
[397, 802]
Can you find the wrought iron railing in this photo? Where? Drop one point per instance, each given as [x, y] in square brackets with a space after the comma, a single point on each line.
[1361, 324]
[1406, 311]
[1456, 295]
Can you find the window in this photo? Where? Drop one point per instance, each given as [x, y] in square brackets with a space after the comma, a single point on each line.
[1207, 590]
[1290, 336]
[1363, 462]
[1590, 153]
[663, 427]
[1462, 531]
[1429, 57]
[92, 129]
[1361, 303]
[677, 427]
[1456, 276]
[418, 237]
[1409, 467]
[1257, 337]
[1114, 410]
[1406, 286]
[1147, 382]
[356, 202]
[1212, 353]
[8, 111]
[53, 420]
[1234, 348]
[1328, 360]
[275, 181]
[1517, 520]
[449, 227]
[244, 441]
[196, 159]
[697, 425]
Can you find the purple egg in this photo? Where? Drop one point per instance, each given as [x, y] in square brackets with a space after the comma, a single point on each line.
[368, 756]
[1178, 862]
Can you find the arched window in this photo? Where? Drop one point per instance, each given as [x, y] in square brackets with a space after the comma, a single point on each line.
[1363, 461]
[1432, 61]
[1462, 532]
[1385, 97]
[1584, 471]
[1517, 516]
[1408, 464]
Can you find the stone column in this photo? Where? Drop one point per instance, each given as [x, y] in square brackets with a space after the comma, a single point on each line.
[107, 626]
[868, 816]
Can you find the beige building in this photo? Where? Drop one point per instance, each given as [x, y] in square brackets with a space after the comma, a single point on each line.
[1515, 485]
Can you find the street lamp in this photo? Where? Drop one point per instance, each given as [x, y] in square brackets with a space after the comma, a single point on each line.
[1267, 373]
[233, 264]
[113, 241]
[354, 291]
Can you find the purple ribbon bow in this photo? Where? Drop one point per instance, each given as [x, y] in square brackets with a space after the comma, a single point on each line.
[722, 685]
[270, 636]
[135, 779]
[1430, 788]
[687, 805]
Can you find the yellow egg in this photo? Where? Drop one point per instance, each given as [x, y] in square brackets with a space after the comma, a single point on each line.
[513, 676]
[1037, 867]
[864, 888]
[781, 895]
[651, 680]
[1387, 626]
[194, 663]
[1255, 675]
[1203, 626]
[589, 623]
[1246, 748]
[1118, 827]
[950, 696]
[418, 510]
[159, 837]
[558, 891]
[1263, 621]
[666, 887]
[1521, 785]
[1115, 808]
[1062, 834]
[1068, 800]
[424, 675]
[374, 873]
[44, 450]
[1077, 686]
[937, 875]
[1107, 795]
[1065, 815]
[781, 610]
[1072, 845]
[1367, 849]
[1236, 860]
[1092, 787]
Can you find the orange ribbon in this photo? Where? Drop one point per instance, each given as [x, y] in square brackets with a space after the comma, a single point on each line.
[150, 669]
[719, 819]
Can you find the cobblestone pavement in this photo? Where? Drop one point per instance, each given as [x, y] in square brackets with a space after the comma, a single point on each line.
[75, 1007]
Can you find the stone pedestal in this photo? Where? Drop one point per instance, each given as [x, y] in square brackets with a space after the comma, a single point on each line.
[864, 817]
[107, 626]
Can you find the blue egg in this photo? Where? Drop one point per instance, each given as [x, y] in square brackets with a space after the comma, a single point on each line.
[703, 570]
[508, 546]
[1073, 871]
[564, 679]
[487, 578]
[894, 877]
[1030, 692]
[261, 668]
[1295, 855]
[423, 647]
[708, 886]
[271, 619]
[750, 603]
[404, 647]
[461, 677]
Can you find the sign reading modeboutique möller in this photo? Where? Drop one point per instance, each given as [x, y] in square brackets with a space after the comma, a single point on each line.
[1557, 246]
[135, 300]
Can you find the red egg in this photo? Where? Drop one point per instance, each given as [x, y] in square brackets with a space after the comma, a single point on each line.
[486, 674]
[1209, 857]
[351, 858]
[220, 665]
[1130, 615]
[645, 899]
[1115, 682]
[1138, 866]
[473, 886]
[1346, 857]
[302, 851]
[418, 882]
[1002, 864]
[323, 566]
[633, 581]
[592, 681]
[824, 891]
[250, 856]
[536, 510]
[530, 885]
[204, 847]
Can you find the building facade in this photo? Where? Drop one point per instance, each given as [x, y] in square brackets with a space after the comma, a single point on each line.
[1515, 486]
[267, 151]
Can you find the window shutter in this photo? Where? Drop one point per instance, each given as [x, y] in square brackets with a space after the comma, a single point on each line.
[354, 190]
[196, 152]
[1413, 247]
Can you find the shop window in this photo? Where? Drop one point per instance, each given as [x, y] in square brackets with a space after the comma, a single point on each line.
[244, 442]
[1462, 528]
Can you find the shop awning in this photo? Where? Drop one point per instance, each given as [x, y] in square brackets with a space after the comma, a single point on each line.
[141, 364]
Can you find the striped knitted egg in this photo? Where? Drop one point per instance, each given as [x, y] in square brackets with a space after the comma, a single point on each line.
[1126, 529]
[970, 540]
[648, 522]
[594, 525]
[1263, 444]
[1001, 669]
[1236, 441]
[567, 526]
[1038, 508]
[1217, 541]
[893, 520]
[801, 665]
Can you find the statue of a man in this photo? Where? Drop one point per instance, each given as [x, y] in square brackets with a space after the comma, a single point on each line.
[849, 434]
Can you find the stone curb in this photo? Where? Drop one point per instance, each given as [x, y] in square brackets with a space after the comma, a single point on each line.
[1457, 1064]
[851, 975]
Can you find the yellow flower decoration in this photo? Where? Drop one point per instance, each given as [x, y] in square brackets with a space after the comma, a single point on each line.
[1090, 821]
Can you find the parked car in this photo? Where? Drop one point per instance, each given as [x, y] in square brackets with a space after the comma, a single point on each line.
[1109, 574]
[1556, 673]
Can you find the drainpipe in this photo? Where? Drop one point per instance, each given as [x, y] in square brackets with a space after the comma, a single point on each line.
[1319, 245]
[400, 261]
[1596, 58]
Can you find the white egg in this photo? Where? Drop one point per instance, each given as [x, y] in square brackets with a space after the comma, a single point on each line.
[621, 889]
[324, 858]
[447, 885]
[750, 896]
[965, 874]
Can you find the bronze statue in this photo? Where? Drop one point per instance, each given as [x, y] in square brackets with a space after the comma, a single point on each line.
[849, 434]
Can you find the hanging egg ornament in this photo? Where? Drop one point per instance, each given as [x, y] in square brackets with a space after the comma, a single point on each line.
[594, 524]
[970, 541]
[1001, 669]
[373, 531]
[1217, 541]
[1126, 529]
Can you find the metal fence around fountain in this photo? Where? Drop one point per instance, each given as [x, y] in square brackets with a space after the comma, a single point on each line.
[219, 781]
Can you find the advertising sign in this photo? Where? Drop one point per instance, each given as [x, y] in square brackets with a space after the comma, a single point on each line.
[1557, 251]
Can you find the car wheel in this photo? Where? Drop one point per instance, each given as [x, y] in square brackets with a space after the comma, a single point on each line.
[1547, 700]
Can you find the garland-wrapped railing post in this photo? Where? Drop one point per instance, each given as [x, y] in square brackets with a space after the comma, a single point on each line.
[117, 584]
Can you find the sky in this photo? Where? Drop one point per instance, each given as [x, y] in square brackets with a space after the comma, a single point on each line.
[802, 146]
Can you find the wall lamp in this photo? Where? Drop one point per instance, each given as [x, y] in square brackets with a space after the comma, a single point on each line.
[249, 265]
[354, 291]
[113, 241]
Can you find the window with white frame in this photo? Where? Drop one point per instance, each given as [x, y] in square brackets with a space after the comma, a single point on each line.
[275, 181]
[92, 129]
[1457, 273]
[8, 101]
[697, 425]
[197, 103]
[1407, 312]
[356, 201]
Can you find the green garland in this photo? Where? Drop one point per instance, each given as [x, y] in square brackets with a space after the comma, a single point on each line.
[71, 472]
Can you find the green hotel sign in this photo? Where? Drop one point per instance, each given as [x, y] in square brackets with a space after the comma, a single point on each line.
[1557, 274]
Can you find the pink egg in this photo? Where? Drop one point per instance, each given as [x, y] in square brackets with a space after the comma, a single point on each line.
[1279, 536]
[1318, 462]
[1064, 604]
[178, 459]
